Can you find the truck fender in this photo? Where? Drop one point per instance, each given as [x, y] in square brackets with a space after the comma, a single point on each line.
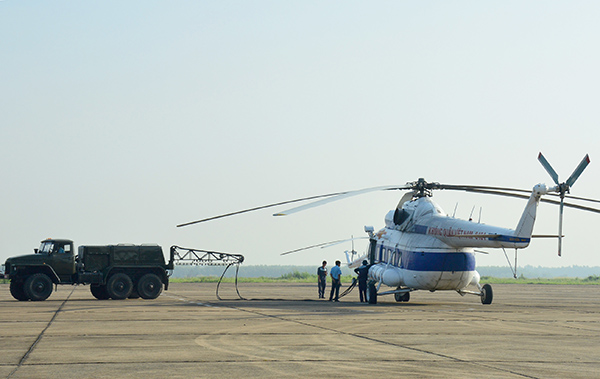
[45, 269]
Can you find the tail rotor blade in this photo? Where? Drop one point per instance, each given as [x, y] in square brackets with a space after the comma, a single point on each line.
[560, 223]
[548, 168]
[582, 165]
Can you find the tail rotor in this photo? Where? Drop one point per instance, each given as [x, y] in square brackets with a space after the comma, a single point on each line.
[563, 188]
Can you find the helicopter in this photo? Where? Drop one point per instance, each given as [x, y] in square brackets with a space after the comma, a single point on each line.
[422, 248]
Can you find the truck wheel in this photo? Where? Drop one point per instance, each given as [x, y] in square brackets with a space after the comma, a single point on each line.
[134, 293]
[149, 286]
[17, 291]
[38, 287]
[99, 291]
[119, 286]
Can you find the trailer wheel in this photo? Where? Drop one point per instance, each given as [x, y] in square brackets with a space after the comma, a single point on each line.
[17, 291]
[38, 287]
[99, 292]
[149, 286]
[119, 286]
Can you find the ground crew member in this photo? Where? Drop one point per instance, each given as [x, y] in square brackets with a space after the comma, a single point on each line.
[363, 275]
[336, 281]
[322, 279]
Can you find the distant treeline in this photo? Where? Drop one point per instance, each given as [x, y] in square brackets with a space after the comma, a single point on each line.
[272, 271]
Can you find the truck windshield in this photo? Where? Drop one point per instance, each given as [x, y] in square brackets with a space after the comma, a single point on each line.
[46, 247]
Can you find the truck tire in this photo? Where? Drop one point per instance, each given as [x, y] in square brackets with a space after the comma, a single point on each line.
[134, 293]
[38, 287]
[99, 292]
[17, 291]
[149, 286]
[119, 286]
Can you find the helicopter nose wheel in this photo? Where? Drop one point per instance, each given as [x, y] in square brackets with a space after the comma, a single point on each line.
[371, 293]
[486, 294]
[402, 297]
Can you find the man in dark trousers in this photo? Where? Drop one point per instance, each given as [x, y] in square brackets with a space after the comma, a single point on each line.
[363, 275]
[322, 278]
[336, 281]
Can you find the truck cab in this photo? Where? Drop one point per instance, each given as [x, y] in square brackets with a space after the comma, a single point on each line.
[60, 255]
[32, 275]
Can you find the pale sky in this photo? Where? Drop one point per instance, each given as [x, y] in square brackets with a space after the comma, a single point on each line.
[120, 120]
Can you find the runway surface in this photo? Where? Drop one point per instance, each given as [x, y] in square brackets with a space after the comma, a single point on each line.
[282, 330]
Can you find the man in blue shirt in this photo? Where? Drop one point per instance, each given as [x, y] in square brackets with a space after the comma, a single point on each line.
[336, 275]
[322, 278]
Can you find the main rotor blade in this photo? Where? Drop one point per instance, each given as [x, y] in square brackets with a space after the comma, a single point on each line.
[544, 200]
[340, 196]
[261, 207]
[582, 165]
[465, 187]
[575, 197]
[548, 168]
[469, 188]
[323, 245]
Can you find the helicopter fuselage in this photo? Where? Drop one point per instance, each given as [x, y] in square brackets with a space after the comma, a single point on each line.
[423, 248]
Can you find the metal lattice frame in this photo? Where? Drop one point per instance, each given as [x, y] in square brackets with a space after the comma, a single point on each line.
[194, 257]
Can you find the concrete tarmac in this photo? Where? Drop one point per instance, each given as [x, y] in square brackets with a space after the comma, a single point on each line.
[282, 330]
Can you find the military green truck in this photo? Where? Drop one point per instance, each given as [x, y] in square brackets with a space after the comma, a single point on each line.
[112, 271]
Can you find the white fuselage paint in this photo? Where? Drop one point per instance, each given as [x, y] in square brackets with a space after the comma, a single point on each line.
[429, 250]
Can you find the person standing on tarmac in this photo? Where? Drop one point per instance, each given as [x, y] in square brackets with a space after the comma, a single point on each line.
[322, 279]
[336, 282]
[363, 275]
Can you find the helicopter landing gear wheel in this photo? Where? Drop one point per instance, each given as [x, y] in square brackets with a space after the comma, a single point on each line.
[486, 294]
[402, 297]
[371, 293]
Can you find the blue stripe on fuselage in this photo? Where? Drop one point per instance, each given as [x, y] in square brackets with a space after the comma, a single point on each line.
[420, 261]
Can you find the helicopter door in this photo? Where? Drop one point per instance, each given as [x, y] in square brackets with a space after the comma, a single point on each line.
[372, 250]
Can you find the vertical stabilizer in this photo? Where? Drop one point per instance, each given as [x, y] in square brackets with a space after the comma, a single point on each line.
[525, 227]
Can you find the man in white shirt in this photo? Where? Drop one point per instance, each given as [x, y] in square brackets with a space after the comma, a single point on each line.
[336, 275]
